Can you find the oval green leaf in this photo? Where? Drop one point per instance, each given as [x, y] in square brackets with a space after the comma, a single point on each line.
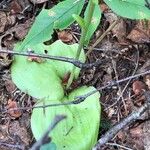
[59, 17]
[43, 80]
[79, 130]
[133, 9]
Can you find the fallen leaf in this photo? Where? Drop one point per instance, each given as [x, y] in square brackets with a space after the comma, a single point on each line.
[21, 131]
[10, 86]
[35, 59]
[18, 31]
[22, 29]
[121, 135]
[3, 21]
[65, 36]
[119, 30]
[104, 7]
[139, 101]
[13, 105]
[138, 87]
[15, 7]
[138, 36]
[136, 132]
[147, 80]
[5, 61]
[141, 32]
[145, 67]
[11, 20]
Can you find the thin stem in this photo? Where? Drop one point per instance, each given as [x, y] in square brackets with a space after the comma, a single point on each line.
[82, 39]
[75, 62]
[101, 37]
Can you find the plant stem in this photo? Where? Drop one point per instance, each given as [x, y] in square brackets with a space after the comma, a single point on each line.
[102, 37]
[82, 39]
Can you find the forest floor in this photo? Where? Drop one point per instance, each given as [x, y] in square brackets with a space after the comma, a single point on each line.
[125, 50]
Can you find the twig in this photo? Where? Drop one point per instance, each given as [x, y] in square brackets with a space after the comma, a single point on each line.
[136, 66]
[115, 144]
[130, 119]
[11, 145]
[81, 98]
[45, 137]
[113, 83]
[75, 62]
[119, 88]
[101, 37]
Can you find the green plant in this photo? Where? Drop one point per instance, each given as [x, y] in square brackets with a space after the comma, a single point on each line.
[133, 9]
[42, 78]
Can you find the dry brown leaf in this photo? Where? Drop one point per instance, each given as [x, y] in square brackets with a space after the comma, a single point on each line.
[119, 30]
[65, 36]
[22, 29]
[138, 87]
[121, 135]
[35, 59]
[15, 7]
[138, 36]
[136, 132]
[13, 105]
[147, 80]
[66, 78]
[5, 61]
[140, 101]
[18, 31]
[3, 21]
[104, 7]
[10, 86]
[145, 67]
[141, 33]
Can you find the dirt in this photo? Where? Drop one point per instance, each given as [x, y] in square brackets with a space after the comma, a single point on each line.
[126, 51]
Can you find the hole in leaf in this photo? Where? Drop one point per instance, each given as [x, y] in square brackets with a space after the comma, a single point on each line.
[45, 51]
[52, 40]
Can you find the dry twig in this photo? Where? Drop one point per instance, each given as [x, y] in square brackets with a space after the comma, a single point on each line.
[75, 62]
[14, 146]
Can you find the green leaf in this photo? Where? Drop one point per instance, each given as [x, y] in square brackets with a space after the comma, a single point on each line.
[36, 79]
[95, 1]
[49, 146]
[67, 8]
[40, 79]
[133, 9]
[79, 131]
[59, 17]
[60, 49]
[94, 23]
[79, 20]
